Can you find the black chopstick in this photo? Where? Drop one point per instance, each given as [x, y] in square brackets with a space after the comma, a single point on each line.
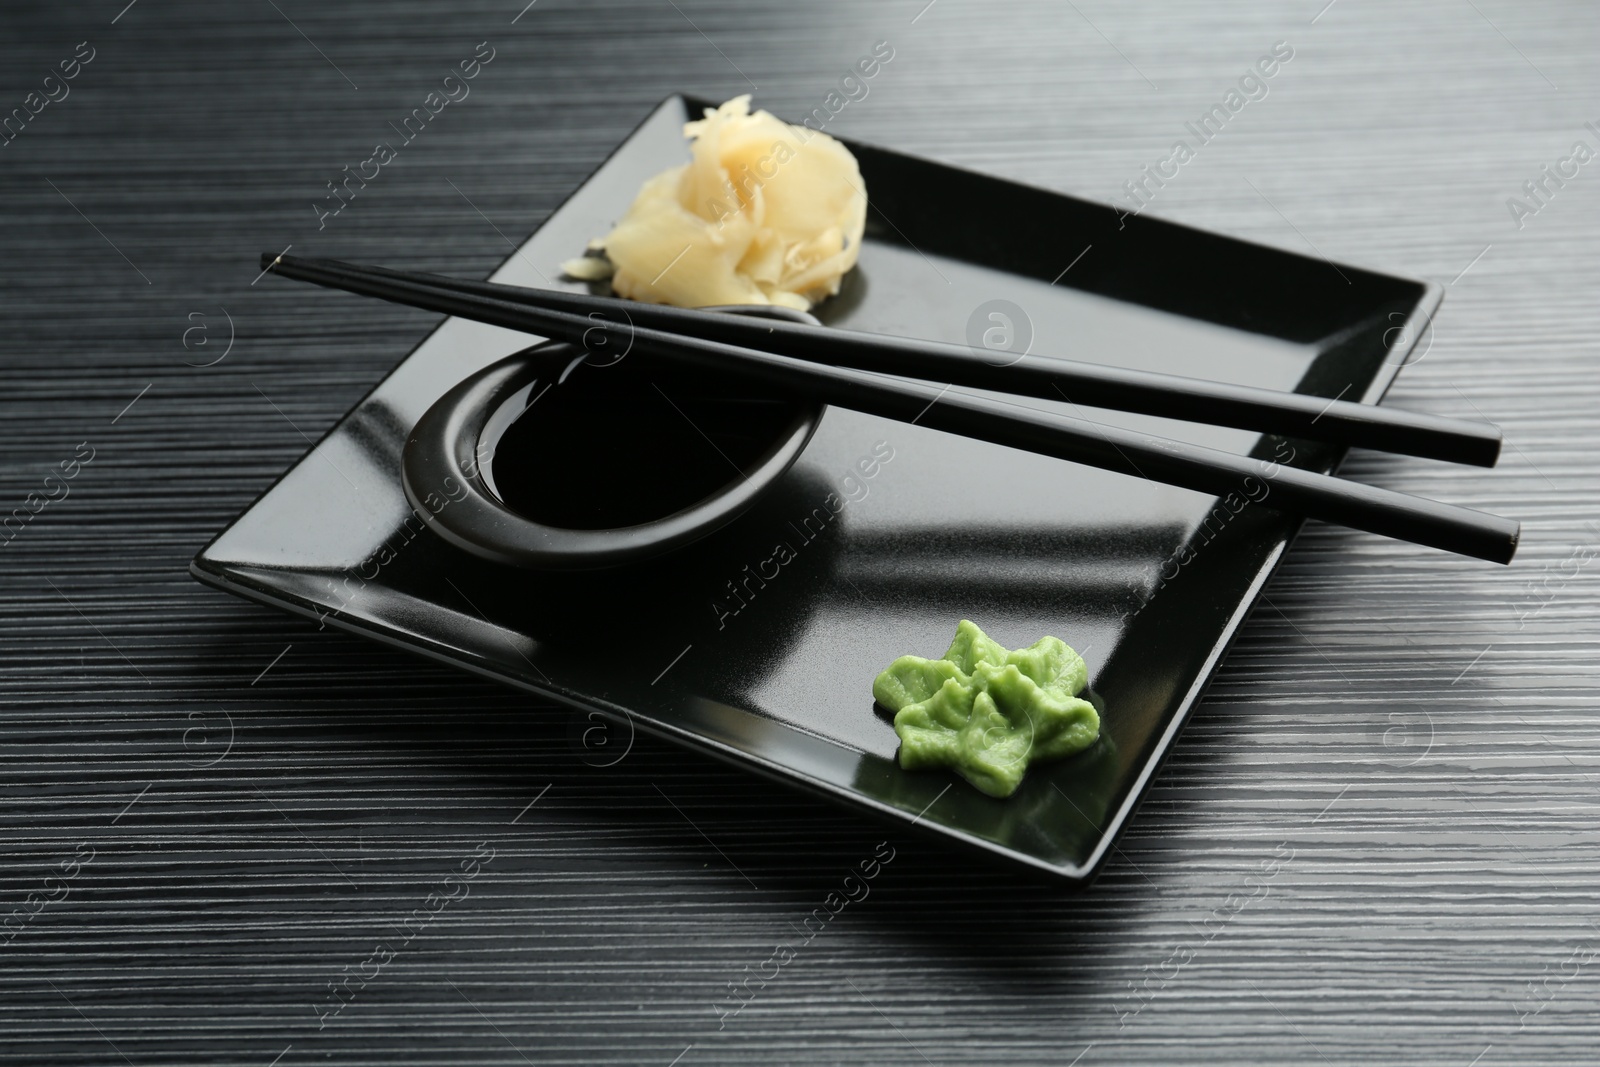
[1095, 385]
[1363, 507]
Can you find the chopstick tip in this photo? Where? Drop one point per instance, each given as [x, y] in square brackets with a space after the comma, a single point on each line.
[1512, 542]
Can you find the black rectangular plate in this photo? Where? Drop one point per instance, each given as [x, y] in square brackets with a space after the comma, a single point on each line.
[1149, 582]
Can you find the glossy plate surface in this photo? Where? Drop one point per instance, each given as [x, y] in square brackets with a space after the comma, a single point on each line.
[760, 643]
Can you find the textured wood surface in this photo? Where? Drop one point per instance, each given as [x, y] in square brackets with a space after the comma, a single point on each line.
[1375, 843]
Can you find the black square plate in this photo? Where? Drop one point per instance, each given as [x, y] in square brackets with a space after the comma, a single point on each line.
[1149, 582]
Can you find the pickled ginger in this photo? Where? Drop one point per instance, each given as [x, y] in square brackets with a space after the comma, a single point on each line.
[763, 213]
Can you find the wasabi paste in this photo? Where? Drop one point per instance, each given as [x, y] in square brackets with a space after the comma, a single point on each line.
[986, 712]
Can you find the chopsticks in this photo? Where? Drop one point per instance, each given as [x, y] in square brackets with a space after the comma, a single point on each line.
[1206, 470]
[1095, 385]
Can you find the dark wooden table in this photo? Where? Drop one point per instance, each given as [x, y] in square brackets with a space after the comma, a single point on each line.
[1375, 843]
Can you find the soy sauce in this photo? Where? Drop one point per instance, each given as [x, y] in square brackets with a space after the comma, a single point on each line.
[625, 444]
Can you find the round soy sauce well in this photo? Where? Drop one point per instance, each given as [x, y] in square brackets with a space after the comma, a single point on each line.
[626, 444]
[575, 461]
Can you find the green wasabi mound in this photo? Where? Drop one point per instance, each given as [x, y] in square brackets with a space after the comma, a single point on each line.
[987, 712]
